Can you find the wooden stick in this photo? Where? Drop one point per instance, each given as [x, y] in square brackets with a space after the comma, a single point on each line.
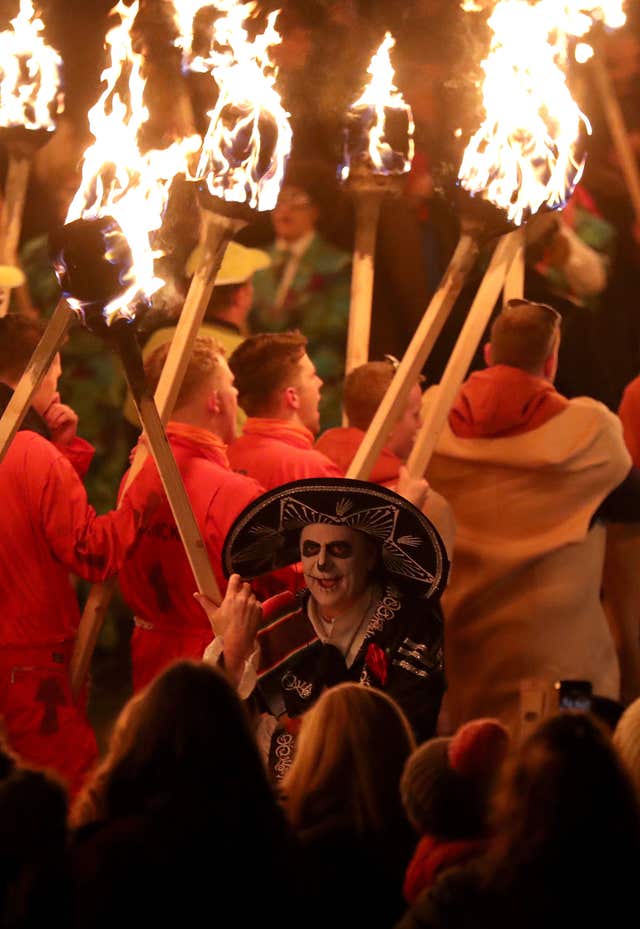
[165, 462]
[618, 130]
[514, 283]
[463, 352]
[410, 367]
[11, 220]
[178, 500]
[218, 231]
[368, 202]
[39, 364]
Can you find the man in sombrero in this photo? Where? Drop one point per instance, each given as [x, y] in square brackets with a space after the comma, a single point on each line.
[374, 568]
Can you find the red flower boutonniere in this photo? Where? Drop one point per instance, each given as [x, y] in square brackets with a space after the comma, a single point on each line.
[316, 283]
[376, 663]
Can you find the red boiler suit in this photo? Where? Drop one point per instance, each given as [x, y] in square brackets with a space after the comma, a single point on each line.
[49, 529]
[275, 452]
[157, 581]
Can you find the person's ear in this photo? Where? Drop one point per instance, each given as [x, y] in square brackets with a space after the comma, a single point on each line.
[213, 402]
[291, 398]
[488, 355]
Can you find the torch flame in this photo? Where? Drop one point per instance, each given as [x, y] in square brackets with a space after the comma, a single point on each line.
[29, 74]
[248, 141]
[380, 96]
[184, 12]
[119, 180]
[525, 154]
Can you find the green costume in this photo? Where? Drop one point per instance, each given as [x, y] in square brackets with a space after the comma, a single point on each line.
[316, 303]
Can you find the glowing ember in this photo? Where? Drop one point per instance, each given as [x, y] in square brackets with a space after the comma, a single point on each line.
[30, 81]
[118, 179]
[381, 113]
[249, 137]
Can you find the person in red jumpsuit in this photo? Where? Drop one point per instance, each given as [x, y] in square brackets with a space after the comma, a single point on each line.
[279, 390]
[48, 531]
[157, 582]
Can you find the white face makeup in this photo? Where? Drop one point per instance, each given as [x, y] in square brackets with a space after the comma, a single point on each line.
[336, 563]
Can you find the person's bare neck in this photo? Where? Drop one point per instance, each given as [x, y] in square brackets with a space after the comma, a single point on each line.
[190, 418]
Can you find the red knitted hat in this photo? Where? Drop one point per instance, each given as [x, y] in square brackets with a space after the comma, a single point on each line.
[479, 747]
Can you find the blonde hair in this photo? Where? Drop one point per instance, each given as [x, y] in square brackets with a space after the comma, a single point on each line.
[203, 364]
[350, 753]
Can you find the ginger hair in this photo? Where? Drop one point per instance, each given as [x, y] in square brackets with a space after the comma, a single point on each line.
[524, 335]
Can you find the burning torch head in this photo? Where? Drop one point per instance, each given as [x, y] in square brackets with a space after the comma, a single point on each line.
[397, 136]
[93, 263]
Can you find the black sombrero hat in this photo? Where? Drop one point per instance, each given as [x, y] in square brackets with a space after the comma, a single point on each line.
[266, 535]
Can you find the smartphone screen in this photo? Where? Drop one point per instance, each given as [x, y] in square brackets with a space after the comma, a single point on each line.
[574, 695]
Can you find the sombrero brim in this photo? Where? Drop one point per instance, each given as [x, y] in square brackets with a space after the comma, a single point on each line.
[266, 535]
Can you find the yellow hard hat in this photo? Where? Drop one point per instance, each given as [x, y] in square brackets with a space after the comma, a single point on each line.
[238, 264]
[10, 276]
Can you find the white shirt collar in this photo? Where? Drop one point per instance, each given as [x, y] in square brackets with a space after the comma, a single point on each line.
[297, 248]
[348, 629]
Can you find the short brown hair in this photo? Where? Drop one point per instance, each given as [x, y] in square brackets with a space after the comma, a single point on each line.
[203, 363]
[19, 336]
[524, 335]
[263, 364]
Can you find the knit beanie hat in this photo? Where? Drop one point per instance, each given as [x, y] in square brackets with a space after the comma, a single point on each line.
[626, 739]
[446, 783]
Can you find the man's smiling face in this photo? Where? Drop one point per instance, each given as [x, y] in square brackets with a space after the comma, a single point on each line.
[336, 562]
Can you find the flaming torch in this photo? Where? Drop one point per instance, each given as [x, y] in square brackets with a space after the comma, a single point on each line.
[30, 98]
[237, 170]
[378, 151]
[105, 262]
[245, 178]
[526, 156]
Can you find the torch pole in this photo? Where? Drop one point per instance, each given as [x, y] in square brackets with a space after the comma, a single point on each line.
[368, 202]
[165, 462]
[39, 364]
[619, 134]
[410, 367]
[218, 231]
[514, 282]
[458, 365]
[11, 220]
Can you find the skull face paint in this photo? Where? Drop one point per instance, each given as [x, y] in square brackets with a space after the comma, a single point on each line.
[336, 562]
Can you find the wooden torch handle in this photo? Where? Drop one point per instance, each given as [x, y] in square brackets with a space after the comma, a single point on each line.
[368, 204]
[410, 367]
[218, 231]
[463, 352]
[39, 364]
